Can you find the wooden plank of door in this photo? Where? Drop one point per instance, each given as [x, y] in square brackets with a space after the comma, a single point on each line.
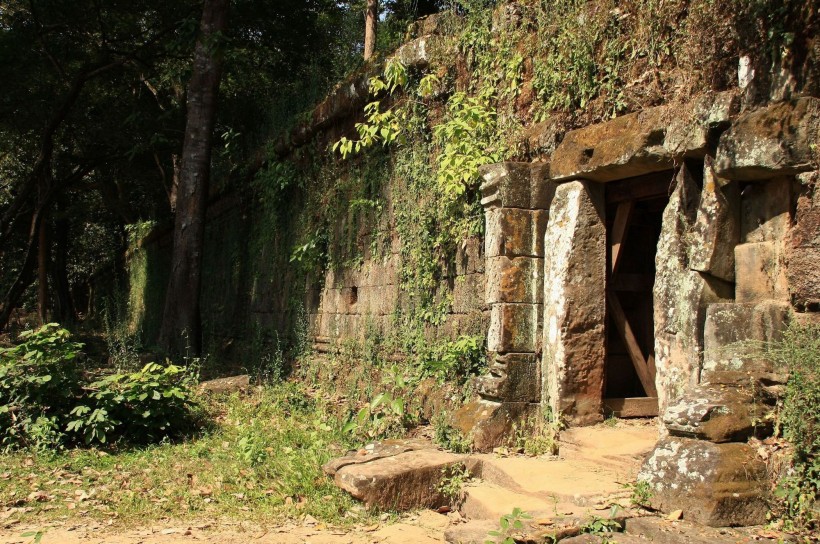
[638, 361]
[619, 227]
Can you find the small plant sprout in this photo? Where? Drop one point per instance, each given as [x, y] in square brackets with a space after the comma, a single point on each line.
[509, 525]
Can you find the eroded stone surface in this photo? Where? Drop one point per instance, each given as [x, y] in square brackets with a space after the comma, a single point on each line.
[374, 451]
[515, 185]
[760, 272]
[771, 141]
[513, 328]
[681, 296]
[718, 414]
[399, 482]
[716, 230]
[736, 335]
[488, 423]
[228, 385]
[574, 302]
[803, 246]
[513, 377]
[719, 485]
[766, 209]
[519, 279]
[514, 232]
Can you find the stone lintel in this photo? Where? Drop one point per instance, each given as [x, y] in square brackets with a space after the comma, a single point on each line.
[771, 141]
[643, 142]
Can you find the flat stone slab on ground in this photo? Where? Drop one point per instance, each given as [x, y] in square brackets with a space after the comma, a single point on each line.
[231, 384]
[400, 482]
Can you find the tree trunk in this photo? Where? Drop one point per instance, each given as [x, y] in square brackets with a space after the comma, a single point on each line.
[181, 327]
[371, 16]
[63, 302]
[43, 254]
[25, 277]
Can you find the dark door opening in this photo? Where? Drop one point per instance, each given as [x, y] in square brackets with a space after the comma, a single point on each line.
[634, 215]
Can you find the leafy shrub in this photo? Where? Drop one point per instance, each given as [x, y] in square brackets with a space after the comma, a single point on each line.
[456, 360]
[142, 406]
[39, 380]
[799, 421]
[47, 400]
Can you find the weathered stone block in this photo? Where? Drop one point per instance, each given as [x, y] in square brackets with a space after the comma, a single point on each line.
[469, 258]
[404, 481]
[765, 210]
[468, 293]
[691, 134]
[714, 484]
[716, 230]
[627, 146]
[515, 280]
[515, 185]
[513, 232]
[803, 246]
[681, 296]
[574, 302]
[512, 377]
[759, 273]
[718, 414]
[771, 141]
[513, 328]
[735, 336]
[489, 424]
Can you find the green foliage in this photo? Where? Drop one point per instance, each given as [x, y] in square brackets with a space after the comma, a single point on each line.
[452, 482]
[448, 437]
[799, 421]
[467, 139]
[260, 462]
[383, 417]
[145, 406]
[640, 493]
[540, 435]
[47, 401]
[602, 527]
[39, 380]
[509, 524]
[457, 359]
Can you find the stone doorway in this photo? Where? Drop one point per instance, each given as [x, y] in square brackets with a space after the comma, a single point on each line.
[634, 214]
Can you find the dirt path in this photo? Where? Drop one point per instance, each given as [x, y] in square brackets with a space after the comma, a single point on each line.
[424, 527]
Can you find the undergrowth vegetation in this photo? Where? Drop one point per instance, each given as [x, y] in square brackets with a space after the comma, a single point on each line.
[261, 461]
[798, 489]
[49, 399]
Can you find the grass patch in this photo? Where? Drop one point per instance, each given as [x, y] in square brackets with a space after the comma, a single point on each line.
[261, 461]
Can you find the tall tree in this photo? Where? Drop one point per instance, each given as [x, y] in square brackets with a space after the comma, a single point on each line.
[181, 323]
[371, 16]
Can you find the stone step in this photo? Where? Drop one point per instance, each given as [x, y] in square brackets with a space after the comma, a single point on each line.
[578, 482]
[472, 532]
[488, 501]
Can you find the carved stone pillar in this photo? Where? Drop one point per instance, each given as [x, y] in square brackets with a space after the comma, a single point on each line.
[516, 198]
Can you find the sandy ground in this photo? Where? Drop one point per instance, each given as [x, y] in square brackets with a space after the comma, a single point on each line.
[425, 527]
